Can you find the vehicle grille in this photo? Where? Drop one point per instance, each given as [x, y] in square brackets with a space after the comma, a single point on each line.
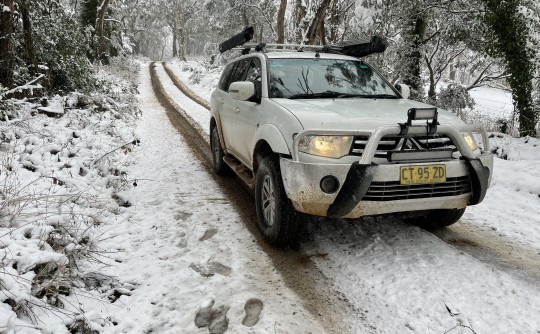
[402, 144]
[393, 190]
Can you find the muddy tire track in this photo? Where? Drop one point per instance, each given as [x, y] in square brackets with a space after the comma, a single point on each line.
[184, 89]
[297, 269]
[488, 247]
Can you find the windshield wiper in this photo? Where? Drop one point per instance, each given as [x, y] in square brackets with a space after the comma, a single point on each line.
[324, 95]
[377, 96]
[332, 95]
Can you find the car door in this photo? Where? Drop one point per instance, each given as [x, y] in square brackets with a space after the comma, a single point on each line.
[228, 113]
[248, 113]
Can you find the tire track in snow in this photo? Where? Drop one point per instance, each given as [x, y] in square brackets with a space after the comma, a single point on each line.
[297, 269]
[488, 247]
[185, 89]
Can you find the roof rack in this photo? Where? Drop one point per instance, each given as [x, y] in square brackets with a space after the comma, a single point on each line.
[355, 48]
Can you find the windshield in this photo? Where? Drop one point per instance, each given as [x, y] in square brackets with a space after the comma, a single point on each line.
[326, 78]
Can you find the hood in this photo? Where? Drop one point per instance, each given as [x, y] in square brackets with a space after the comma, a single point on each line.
[357, 114]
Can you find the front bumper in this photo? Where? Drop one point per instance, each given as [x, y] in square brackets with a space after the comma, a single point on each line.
[302, 181]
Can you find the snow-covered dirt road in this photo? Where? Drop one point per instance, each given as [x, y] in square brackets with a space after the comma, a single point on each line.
[399, 278]
[183, 255]
[187, 252]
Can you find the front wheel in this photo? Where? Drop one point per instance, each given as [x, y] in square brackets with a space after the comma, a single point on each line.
[436, 219]
[277, 219]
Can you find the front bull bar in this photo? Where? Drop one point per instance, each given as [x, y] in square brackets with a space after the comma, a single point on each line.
[361, 173]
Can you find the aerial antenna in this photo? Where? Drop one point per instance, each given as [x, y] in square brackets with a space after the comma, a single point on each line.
[245, 36]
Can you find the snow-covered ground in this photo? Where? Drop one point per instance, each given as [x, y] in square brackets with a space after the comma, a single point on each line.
[171, 252]
[183, 246]
[388, 268]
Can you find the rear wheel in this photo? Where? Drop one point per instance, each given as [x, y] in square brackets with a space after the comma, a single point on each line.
[436, 219]
[220, 167]
[277, 219]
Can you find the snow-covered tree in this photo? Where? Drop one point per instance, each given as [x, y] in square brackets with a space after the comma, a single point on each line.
[511, 43]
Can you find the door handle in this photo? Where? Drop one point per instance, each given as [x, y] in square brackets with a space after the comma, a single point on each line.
[237, 109]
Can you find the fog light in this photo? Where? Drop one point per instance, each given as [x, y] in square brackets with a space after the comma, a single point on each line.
[329, 184]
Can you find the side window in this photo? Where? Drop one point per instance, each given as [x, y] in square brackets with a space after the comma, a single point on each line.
[240, 72]
[254, 71]
[226, 77]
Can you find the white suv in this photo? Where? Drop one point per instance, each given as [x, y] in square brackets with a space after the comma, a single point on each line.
[325, 134]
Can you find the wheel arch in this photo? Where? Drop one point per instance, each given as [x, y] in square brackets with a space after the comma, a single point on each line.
[262, 150]
[214, 124]
[269, 141]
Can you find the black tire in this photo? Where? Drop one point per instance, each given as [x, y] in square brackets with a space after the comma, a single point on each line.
[437, 219]
[220, 167]
[278, 221]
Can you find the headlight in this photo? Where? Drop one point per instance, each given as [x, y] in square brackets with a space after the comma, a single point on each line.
[326, 146]
[470, 141]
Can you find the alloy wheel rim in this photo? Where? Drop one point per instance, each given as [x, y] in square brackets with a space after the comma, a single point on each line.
[268, 200]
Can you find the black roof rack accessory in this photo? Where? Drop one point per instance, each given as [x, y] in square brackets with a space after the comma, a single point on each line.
[359, 47]
[245, 36]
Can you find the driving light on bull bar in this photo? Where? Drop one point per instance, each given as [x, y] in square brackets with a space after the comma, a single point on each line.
[326, 146]
[470, 141]
[422, 113]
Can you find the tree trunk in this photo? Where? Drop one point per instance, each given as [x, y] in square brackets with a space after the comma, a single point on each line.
[314, 30]
[414, 38]
[245, 19]
[174, 38]
[431, 91]
[321, 32]
[299, 14]
[183, 42]
[281, 22]
[28, 36]
[7, 57]
[100, 24]
[334, 22]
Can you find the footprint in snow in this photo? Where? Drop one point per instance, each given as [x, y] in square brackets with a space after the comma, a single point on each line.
[214, 318]
[182, 242]
[253, 310]
[182, 215]
[155, 202]
[211, 268]
[208, 234]
[204, 313]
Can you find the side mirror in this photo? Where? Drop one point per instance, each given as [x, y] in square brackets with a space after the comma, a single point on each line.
[404, 90]
[242, 90]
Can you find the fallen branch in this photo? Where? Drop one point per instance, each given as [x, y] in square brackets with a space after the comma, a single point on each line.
[28, 85]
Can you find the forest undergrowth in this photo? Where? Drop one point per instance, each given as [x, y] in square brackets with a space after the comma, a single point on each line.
[62, 165]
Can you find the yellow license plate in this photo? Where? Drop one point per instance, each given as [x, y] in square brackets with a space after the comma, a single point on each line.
[422, 174]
